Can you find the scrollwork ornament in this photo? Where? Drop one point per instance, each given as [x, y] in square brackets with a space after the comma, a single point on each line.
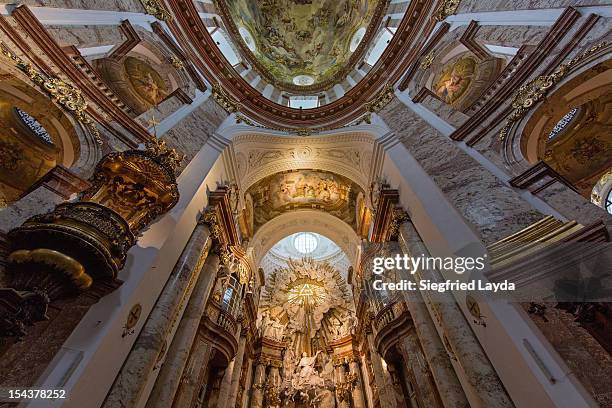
[398, 218]
[427, 60]
[177, 63]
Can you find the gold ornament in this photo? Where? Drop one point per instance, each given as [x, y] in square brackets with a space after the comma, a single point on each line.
[427, 60]
[381, 100]
[446, 8]
[398, 218]
[155, 9]
[177, 63]
[224, 100]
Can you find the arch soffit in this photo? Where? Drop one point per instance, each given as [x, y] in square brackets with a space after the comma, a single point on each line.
[305, 220]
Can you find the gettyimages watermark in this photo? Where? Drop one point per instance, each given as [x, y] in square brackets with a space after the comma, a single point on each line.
[576, 272]
[460, 265]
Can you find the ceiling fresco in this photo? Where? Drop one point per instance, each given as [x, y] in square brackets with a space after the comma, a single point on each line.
[301, 43]
[302, 189]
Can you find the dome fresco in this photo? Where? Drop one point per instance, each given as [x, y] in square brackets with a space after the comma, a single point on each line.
[301, 37]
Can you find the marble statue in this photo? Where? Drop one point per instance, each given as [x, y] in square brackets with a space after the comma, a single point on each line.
[271, 327]
[305, 373]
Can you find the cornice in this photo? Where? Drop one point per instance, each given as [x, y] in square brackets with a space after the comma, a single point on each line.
[400, 53]
[285, 141]
[354, 59]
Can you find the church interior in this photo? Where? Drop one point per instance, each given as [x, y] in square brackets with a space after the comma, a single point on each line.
[197, 196]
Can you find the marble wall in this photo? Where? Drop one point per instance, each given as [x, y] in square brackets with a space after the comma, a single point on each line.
[492, 208]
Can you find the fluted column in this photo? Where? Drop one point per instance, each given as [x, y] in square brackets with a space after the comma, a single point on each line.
[233, 393]
[258, 383]
[274, 376]
[167, 382]
[471, 362]
[140, 363]
[358, 399]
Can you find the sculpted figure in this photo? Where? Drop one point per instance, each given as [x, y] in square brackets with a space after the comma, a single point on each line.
[305, 371]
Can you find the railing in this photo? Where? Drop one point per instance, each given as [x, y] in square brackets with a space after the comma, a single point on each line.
[388, 314]
[221, 317]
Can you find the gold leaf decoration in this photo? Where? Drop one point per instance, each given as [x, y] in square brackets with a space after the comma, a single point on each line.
[427, 60]
[446, 8]
[155, 9]
[381, 100]
[224, 100]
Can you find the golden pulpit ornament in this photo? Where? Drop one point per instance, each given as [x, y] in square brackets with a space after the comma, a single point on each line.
[79, 243]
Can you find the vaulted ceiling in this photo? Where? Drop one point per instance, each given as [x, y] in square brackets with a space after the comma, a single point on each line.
[302, 44]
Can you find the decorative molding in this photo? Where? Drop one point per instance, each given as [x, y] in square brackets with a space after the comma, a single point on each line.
[381, 100]
[177, 63]
[539, 177]
[178, 52]
[181, 95]
[428, 48]
[224, 100]
[51, 48]
[354, 59]
[424, 93]
[534, 91]
[470, 42]
[427, 60]
[61, 181]
[132, 40]
[519, 75]
[384, 216]
[396, 58]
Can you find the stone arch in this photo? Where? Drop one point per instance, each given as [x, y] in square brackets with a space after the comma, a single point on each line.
[570, 129]
[320, 222]
[38, 135]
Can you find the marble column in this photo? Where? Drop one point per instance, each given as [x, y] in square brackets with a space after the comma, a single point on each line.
[274, 376]
[379, 375]
[341, 377]
[225, 385]
[169, 376]
[259, 380]
[191, 379]
[152, 340]
[235, 384]
[471, 363]
[438, 359]
[248, 389]
[426, 389]
[358, 399]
